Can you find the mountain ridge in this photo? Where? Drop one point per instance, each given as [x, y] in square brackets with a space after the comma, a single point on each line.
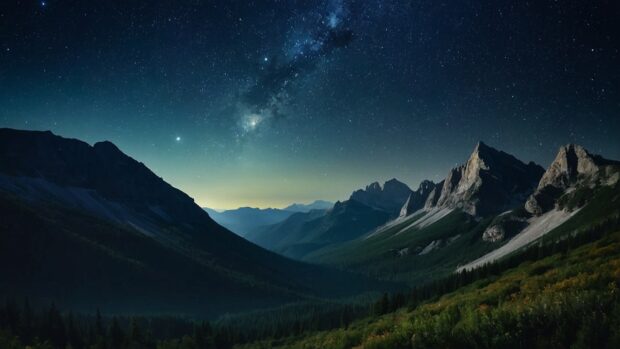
[487, 183]
[96, 198]
[315, 205]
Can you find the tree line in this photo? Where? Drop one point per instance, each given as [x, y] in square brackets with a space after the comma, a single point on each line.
[22, 325]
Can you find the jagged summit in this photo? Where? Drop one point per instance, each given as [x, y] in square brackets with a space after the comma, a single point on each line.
[489, 182]
[390, 197]
[573, 166]
[418, 198]
[571, 162]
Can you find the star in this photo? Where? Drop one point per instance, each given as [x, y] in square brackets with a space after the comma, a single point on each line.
[251, 122]
[43, 3]
[178, 138]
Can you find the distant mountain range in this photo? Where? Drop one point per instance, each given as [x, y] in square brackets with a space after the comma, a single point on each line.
[88, 226]
[316, 205]
[246, 221]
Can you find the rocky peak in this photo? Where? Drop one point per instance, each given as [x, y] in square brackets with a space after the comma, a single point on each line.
[395, 187]
[390, 197]
[418, 198]
[571, 161]
[426, 187]
[490, 181]
[573, 166]
[374, 187]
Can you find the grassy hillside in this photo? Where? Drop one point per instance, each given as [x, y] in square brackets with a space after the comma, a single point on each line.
[398, 256]
[456, 239]
[564, 300]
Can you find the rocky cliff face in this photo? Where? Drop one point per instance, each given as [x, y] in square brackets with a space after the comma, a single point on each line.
[573, 166]
[418, 198]
[491, 181]
[434, 195]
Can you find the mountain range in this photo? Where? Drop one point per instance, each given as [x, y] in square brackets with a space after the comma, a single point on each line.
[88, 226]
[243, 221]
[315, 205]
[306, 232]
[488, 207]
[246, 221]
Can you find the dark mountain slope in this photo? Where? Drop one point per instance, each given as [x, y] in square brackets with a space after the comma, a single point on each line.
[303, 233]
[366, 209]
[86, 210]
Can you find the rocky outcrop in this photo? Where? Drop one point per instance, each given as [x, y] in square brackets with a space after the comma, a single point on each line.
[493, 234]
[491, 181]
[573, 166]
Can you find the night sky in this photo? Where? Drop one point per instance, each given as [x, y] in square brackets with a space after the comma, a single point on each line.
[266, 103]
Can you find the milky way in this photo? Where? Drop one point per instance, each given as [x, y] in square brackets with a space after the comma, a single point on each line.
[264, 103]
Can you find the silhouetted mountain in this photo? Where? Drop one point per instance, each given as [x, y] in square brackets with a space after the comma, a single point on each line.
[316, 205]
[246, 220]
[303, 233]
[88, 226]
[389, 198]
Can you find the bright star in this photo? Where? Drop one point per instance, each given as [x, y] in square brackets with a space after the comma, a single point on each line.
[43, 3]
[266, 59]
[250, 122]
[178, 139]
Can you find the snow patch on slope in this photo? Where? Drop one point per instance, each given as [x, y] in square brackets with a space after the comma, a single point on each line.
[399, 220]
[430, 247]
[537, 227]
[433, 215]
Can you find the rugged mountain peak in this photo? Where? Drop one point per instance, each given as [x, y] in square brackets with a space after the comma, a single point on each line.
[418, 198]
[390, 197]
[426, 186]
[374, 187]
[490, 181]
[573, 166]
[571, 161]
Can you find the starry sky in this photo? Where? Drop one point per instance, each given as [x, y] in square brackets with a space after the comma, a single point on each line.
[264, 103]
